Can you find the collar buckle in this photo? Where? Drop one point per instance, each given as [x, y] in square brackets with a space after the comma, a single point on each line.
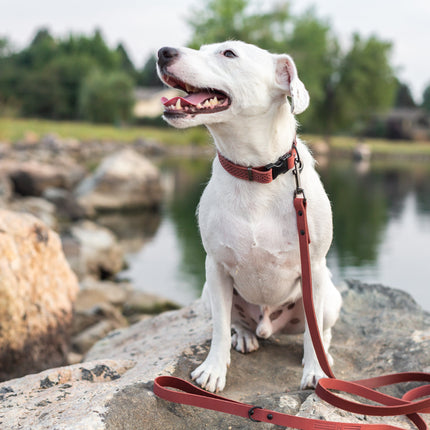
[280, 166]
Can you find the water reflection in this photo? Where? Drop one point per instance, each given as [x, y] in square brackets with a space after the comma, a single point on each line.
[381, 216]
[359, 212]
[172, 263]
[133, 228]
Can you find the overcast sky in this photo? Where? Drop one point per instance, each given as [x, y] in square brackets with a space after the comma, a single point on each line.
[146, 25]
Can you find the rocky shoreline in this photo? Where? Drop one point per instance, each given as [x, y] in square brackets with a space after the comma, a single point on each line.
[380, 331]
[79, 191]
[102, 343]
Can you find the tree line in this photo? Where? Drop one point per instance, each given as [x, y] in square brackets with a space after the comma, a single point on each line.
[347, 85]
[80, 77]
[77, 77]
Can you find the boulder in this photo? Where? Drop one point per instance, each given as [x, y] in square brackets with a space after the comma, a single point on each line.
[103, 306]
[67, 207]
[40, 208]
[140, 302]
[112, 388]
[97, 312]
[84, 340]
[37, 291]
[31, 178]
[149, 147]
[93, 251]
[115, 293]
[124, 180]
[5, 149]
[5, 188]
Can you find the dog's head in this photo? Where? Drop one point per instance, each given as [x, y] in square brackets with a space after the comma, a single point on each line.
[226, 80]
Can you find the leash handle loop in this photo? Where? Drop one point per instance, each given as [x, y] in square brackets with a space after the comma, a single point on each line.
[165, 387]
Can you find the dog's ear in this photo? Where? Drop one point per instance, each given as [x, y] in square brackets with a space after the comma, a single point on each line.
[287, 79]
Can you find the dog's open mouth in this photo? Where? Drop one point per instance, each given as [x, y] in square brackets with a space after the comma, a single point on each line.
[197, 100]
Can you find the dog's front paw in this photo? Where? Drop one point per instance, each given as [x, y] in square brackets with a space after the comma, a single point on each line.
[210, 375]
[311, 377]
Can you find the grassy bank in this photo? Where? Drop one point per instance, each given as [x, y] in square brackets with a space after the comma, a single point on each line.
[13, 130]
[383, 147]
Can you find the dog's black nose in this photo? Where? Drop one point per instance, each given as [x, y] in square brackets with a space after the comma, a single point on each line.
[167, 56]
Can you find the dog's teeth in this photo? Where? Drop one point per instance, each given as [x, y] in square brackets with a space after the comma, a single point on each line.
[188, 88]
[199, 106]
[215, 101]
[178, 104]
[207, 103]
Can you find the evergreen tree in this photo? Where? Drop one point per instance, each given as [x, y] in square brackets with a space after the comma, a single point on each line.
[148, 76]
[45, 79]
[403, 97]
[125, 63]
[107, 97]
[5, 47]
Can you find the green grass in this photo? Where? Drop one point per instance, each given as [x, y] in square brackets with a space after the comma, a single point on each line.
[380, 147]
[13, 130]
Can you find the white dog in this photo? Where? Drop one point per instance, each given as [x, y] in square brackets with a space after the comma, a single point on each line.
[249, 230]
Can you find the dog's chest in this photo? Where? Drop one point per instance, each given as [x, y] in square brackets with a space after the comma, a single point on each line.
[256, 243]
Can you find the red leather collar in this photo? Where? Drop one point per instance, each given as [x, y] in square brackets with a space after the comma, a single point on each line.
[263, 174]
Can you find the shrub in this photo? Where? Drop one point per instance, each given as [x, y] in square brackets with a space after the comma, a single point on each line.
[106, 97]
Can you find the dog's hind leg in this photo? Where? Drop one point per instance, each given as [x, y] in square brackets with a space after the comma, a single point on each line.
[244, 322]
[243, 340]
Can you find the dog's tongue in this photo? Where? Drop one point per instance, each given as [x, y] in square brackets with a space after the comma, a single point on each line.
[191, 100]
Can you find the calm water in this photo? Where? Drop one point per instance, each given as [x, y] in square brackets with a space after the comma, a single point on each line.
[381, 216]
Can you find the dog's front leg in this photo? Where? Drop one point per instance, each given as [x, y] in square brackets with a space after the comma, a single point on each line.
[312, 371]
[327, 304]
[211, 374]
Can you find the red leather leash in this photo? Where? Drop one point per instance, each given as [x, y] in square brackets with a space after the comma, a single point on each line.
[408, 405]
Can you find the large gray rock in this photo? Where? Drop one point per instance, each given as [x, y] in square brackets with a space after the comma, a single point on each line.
[380, 330]
[124, 180]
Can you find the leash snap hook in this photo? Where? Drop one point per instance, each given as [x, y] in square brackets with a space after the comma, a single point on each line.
[251, 413]
[298, 166]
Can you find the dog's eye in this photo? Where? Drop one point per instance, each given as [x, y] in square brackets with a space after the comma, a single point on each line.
[229, 54]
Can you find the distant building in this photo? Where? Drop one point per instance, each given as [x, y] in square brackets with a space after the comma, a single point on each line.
[402, 123]
[148, 101]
